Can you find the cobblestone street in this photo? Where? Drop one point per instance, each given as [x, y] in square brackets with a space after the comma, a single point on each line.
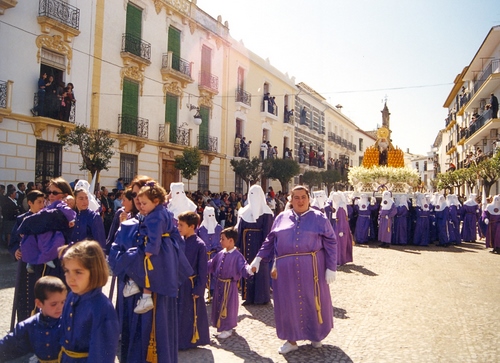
[402, 304]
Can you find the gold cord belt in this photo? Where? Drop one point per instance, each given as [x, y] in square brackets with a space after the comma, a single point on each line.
[317, 292]
[196, 335]
[71, 354]
[223, 310]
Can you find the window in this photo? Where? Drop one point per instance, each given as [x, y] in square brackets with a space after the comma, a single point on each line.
[203, 130]
[425, 165]
[416, 166]
[133, 30]
[171, 116]
[360, 144]
[203, 172]
[130, 107]
[241, 78]
[128, 167]
[238, 184]
[174, 46]
[48, 160]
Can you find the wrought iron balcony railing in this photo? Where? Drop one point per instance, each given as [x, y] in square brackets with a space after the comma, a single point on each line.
[61, 11]
[3, 94]
[269, 107]
[207, 143]
[132, 125]
[179, 136]
[177, 63]
[136, 46]
[331, 136]
[209, 81]
[492, 67]
[56, 113]
[480, 121]
[243, 97]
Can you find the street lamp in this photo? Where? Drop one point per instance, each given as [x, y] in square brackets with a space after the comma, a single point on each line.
[197, 117]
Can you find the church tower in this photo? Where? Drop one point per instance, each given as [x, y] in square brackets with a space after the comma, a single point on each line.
[386, 115]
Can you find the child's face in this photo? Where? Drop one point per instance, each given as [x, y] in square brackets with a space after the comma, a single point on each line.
[70, 201]
[184, 229]
[146, 205]
[82, 201]
[226, 243]
[37, 205]
[53, 304]
[77, 277]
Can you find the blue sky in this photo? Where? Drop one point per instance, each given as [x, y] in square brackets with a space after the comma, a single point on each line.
[357, 53]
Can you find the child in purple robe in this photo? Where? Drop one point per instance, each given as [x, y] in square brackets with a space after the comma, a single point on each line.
[39, 334]
[43, 232]
[193, 319]
[90, 328]
[209, 232]
[387, 212]
[227, 267]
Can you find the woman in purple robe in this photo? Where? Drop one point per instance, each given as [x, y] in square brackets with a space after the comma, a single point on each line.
[254, 223]
[470, 215]
[491, 216]
[400, 230]
[342, 230]
[387, 212]
[442, 221]
[305, 249]
[422, 227]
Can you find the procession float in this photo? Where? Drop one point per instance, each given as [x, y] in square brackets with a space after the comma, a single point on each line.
[383, 169]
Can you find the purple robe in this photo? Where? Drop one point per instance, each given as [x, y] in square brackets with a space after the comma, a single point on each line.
[344, 242]
[469, 214]
[304, 246]
[196, 254]
[227, 268]
[250, 239]
[385, 217]
[493, 231]
[400, 230]
[442, 225]
[454, 221]
[89, 225]
[212, 243]
[363, 231]
[422, 227]
[90, 325]
[433, 231]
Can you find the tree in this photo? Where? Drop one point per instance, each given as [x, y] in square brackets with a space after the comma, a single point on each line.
[469, 176]
[282, 170]
[188, 163]
[248, 170]
[489, 172]
[311, 178]
[330, 177]
[95, 146]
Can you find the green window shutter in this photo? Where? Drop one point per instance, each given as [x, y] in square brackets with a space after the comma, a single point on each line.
[203, 136]
[134, 21]
[130, 107]
[174, 46]
[171, 116]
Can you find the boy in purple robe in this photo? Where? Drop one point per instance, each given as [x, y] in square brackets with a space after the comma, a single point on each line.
[44, 232]
[254, 223]
[193, 319]
[39, 334]
[363, 231]
[387, 212]
[228, 267]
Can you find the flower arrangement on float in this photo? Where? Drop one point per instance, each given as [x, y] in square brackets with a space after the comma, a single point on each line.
[379, 178]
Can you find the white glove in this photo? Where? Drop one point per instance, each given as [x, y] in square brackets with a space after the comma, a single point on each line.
[256, 263]
[486, 221]
[330, 276]
[249, 270]
[341, 234]
[386, 217]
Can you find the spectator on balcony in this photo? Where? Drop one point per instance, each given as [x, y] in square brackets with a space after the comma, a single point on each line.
[272, 104]
[303, 116]
[494, 106]
[40, 108]
[266, 98]
[237, 143]
[287, 114]
[312, 156]
[243, 147]
[263, 150]
[51, 100]
[271, 153]
[275, 154]
[302, 153]
[67, 101]
[287, 153]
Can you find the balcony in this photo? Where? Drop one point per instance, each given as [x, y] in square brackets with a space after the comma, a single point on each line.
[134, 126]
[269, 111]
[179, 135]
[174, 67]
[208, 82]
[243, 99]
[486, 82]
[135, 50]
[481, 128]
[6, 4]
[207, 143]
[55, 113]
[60, 16]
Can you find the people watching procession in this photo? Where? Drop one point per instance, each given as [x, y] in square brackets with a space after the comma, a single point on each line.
[171, 255]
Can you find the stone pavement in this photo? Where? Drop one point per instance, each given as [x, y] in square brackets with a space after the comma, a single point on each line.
[403, 304]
